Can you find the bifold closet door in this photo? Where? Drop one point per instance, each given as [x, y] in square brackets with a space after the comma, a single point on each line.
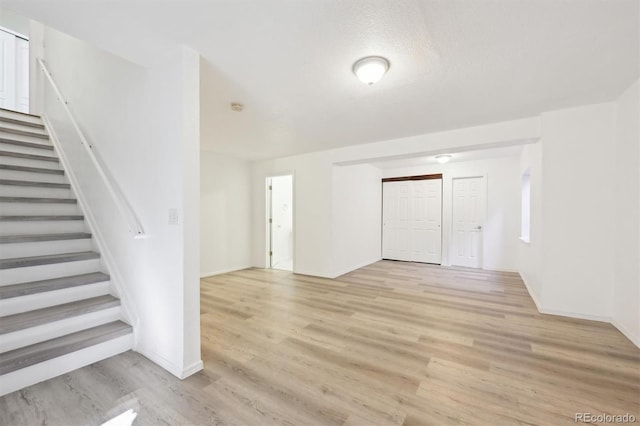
[412, 220]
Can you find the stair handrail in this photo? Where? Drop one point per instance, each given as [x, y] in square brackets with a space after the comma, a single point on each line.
[123, 205]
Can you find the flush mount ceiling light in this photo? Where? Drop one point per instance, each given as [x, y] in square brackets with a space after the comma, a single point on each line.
[371, 69]
[444, 158]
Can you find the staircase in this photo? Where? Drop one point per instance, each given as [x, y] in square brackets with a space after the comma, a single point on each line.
[56, 310]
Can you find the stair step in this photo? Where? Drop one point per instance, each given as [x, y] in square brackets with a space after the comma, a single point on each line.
[29, 156]
[22, 262]
[38, 200]
[40, 218]
[20, 132]
[31, 169]
[34, 287]
[48, 147]
[5, 112]
[12, 239]
[12, 323]
[22, 122]
[43, 351]
[33, 183]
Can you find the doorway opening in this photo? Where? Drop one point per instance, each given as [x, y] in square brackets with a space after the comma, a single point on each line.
[14, 71]
[280, 222]
[468, 221]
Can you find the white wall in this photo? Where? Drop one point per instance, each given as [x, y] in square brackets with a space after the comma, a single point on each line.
[225, 201]
[626, 291]
[144, 124]
[14, 22]
[314, 189]
[577, 213]
[529, 253]
[502, 221]
[357, 217]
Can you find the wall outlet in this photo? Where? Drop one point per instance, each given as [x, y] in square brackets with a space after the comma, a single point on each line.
[173, 217]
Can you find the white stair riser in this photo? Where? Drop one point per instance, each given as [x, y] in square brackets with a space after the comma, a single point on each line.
[44, 272]
[21, 117]
[42, 248]
[55, 329]
[31, 302]
[16, 126]
[34, 191]
[36, 177]
[26, 138]
[37, 373]
[4, 146]
[28, 162]
[38, 209]
[42, 227]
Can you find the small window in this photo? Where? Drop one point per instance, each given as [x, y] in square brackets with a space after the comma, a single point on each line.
[525, 226]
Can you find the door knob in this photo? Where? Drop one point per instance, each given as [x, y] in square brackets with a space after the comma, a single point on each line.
[478, 227]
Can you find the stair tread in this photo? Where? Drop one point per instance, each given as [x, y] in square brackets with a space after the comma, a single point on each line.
[21, 262]
[34, 287]
[28, 238]
[21, 122]
[43, 351]
[30, 319]
[15, 182]
[40, 218]
[38, 200]
[12, 111]
[29, 169]
[21, 132]
[29, 156]
[27, 144]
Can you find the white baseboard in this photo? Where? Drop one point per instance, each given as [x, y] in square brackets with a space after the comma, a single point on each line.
[192, 369]
[354, 267]
[531, 293]
[172, 368]
[635, 339]
[577, 315]
[224, 271]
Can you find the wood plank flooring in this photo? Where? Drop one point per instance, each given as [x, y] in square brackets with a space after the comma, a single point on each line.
[389, 344]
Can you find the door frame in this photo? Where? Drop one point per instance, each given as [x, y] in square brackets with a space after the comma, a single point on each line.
[449, 230]
[267, 217]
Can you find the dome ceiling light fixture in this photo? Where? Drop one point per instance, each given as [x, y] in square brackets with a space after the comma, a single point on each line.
[444, 158]
[370, 69]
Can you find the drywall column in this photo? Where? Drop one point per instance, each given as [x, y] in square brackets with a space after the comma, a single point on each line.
[190, 60]
[578, 212]
[626, 290]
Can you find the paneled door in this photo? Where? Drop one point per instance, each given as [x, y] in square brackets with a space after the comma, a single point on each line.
[468, 221]
[7, 70]
[412, 220]
[14, 72]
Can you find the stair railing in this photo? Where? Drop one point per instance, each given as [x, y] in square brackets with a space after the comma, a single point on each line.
[135, 227]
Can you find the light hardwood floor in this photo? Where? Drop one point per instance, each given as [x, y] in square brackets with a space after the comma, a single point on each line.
[390, 344]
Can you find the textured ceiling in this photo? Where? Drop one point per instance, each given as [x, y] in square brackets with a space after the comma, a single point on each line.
[454, 63]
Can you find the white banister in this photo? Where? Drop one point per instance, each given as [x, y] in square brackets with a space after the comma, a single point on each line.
[121, 202]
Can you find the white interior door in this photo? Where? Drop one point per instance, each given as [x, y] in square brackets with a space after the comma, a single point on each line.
[468, 221]
[14, 72]
[412, 220]
[426, 233]
[281, 222]
[7, 70]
